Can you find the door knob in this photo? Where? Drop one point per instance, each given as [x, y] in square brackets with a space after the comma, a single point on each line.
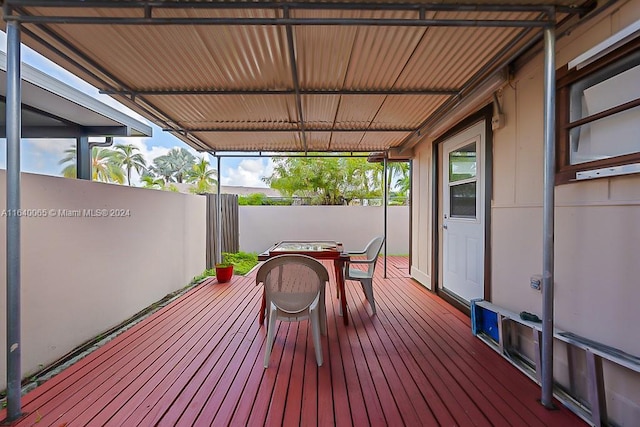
[445, 226]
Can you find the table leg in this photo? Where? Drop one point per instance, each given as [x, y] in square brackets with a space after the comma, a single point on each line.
[339, 267]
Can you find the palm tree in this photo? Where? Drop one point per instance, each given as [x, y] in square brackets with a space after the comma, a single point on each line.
[105, 165]
[174, 165]
[404, 185]
[181, 162]
[130, 159]
[162, 168]
[71, 170]
[149, 181]
[203, 177]
[400, 171]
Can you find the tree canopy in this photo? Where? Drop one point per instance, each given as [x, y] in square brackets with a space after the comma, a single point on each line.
[203, 177]
[330, 180]
[114, 164]
[130, 159]
[173, 166]
[105, 165]
[317, 179]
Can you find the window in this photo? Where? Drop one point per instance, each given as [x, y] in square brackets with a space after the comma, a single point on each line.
[598, 126]
[462, 182]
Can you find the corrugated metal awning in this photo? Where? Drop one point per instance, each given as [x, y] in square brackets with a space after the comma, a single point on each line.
[286, 76]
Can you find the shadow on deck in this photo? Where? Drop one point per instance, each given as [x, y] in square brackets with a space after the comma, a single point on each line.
[198, 361]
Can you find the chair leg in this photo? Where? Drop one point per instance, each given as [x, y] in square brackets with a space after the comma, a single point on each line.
[367, 286]
[323, 317]
[271, 335]
[315, 331]
[267, 310]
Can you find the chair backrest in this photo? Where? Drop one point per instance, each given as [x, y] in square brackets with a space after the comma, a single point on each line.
[372, 251]
[292, 282]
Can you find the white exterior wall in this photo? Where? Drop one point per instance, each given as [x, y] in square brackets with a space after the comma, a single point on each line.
[82, 276]
[354, 226]
[597, 236]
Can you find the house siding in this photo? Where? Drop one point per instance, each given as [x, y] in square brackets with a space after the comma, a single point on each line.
[597, 234]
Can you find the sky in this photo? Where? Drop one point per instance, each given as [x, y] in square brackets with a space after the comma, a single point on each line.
[42, 156]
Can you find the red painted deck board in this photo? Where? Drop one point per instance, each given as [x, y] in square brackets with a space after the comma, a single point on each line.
[199, 361]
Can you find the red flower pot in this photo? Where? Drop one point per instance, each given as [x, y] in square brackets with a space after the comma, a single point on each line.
[224, 273]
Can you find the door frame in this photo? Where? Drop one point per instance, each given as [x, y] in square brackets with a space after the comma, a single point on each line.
[437, 180]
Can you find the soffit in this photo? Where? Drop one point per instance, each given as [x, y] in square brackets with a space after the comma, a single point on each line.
[53, 109]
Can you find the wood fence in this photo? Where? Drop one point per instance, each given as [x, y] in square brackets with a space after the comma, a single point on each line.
[230, 226]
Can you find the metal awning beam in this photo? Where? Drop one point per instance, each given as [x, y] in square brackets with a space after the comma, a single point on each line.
[296, 129]
[289, 154]
[147, 7]
[163, 92]
[289, 22]
[296, 81]
[14, 11]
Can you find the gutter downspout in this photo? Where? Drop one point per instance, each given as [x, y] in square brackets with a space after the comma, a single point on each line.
[84, 155]
[548, 208]
[14, 135]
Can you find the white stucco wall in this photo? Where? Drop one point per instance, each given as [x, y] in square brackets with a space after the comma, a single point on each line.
[355, 226]
[81, 275]
[597, 269]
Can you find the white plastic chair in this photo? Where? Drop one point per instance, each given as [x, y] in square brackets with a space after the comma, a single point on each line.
[294, 290]
[365, 277]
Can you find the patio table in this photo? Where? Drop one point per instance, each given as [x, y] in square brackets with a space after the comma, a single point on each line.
[318, 249]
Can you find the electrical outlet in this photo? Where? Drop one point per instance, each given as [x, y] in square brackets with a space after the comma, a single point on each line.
[536, 282]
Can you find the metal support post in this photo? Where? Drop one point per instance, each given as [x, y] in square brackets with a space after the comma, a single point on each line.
[548, 209]
[13, 117]
[410, 203]
[218, 253]
[386, 197]
[83, 158]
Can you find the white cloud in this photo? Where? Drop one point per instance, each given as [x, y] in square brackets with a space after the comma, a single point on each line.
[44, 155]
[50, 147]
[248, 173]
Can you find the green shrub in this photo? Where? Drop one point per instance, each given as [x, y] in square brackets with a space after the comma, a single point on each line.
[242, 262]
[259, 199]
[255, 199]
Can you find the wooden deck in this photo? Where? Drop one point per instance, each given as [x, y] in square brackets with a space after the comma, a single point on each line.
[199, 362]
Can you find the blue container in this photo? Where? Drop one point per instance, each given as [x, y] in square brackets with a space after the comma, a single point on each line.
[483, 320]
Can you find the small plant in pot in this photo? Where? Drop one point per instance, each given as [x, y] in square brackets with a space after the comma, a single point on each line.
[224, 271]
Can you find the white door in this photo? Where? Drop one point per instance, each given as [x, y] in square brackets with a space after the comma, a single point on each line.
[463, 213]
